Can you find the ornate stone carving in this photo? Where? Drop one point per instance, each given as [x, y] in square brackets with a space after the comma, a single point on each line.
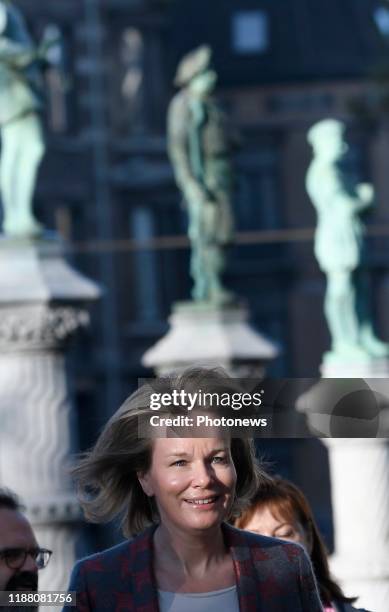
[59, 508]
[35, 328]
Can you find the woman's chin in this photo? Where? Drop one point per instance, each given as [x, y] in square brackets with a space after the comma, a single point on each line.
[205, 518]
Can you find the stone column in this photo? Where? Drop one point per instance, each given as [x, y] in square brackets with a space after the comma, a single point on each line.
[359, 468]
[360, 495]
[205, 334]
[42, 305]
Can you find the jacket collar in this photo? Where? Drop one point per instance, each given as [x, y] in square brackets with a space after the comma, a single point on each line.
[144, 584]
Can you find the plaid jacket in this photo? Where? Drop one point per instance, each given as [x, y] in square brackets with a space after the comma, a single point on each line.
[271, 576]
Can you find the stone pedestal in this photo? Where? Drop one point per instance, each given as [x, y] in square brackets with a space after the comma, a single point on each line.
[359, 468]
[360, 499]
[207, 335]
[42, 305]
[341, 368]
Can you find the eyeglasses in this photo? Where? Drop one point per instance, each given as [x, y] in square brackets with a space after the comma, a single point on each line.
[14, 558]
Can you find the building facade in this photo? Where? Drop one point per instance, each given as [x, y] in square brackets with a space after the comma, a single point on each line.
[106, 184]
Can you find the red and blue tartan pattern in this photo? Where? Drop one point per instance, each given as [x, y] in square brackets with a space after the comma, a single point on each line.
[271, 576]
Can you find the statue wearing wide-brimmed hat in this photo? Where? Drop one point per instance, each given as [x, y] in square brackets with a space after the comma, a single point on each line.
[200, 146]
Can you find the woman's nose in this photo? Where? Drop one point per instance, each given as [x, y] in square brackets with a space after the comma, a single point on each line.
[202, 474]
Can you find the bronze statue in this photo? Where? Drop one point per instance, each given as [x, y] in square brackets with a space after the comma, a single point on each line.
[340, 203]
[22, 145]
[200, 145]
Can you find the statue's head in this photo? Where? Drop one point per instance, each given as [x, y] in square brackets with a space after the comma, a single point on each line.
[327, 138]
[204, 83]
[194, 70]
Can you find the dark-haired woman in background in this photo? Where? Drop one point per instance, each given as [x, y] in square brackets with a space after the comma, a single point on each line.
[280, 510]
[176, 493]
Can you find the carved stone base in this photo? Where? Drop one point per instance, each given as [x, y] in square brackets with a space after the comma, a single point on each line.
[41, 307]
[205, 334]
[38, 435]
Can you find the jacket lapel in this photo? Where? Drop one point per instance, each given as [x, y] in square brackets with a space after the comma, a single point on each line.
[144, 587]
[246, 580]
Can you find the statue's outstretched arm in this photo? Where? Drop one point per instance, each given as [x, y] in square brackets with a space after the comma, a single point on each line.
[357, 197]
[365, 192]
[357, 200]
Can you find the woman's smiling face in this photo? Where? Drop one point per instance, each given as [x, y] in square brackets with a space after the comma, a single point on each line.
[193, 481]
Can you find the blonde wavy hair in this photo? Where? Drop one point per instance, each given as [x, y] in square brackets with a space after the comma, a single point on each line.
[107, 475]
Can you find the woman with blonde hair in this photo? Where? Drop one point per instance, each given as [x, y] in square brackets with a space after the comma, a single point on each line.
[279, 509]
[175, 494]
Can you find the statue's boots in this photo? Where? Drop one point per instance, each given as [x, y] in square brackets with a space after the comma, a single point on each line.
[22, 227]
[350, 352]
[373, 345]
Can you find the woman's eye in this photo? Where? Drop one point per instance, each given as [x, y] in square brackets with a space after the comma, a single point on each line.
[285, 534]
[179, 463]
[219, 459]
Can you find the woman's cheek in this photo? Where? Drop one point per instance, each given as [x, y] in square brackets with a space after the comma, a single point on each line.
[177, 481]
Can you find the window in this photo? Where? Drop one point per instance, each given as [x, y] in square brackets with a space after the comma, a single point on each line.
[56, 79]
[381, 17]
[250, 32]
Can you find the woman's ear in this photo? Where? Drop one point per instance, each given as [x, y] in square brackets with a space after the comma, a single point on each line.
[145, 483]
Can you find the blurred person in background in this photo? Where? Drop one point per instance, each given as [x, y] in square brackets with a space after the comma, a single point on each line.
[280, 510]
[20, 555]
[175, 495]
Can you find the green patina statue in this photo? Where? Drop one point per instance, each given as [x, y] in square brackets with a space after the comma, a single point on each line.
[200, 145]
[22, 145]
[339, 244]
